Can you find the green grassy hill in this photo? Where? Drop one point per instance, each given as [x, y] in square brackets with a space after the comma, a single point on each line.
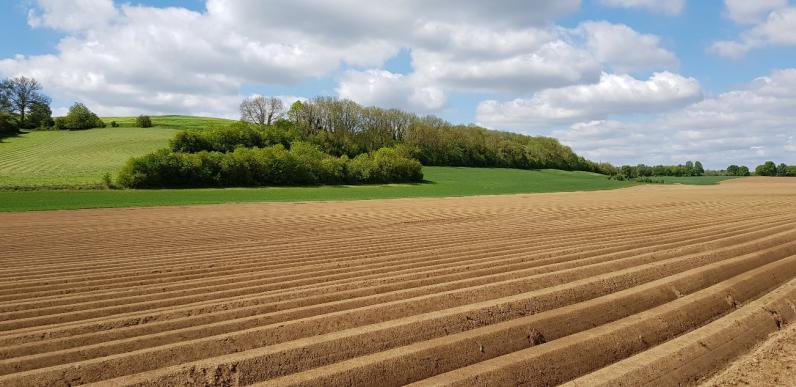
[80, 158]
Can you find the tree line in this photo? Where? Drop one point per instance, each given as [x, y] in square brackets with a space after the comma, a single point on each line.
[23, 106]
[343, 127]
[690, 168]
[770, 168]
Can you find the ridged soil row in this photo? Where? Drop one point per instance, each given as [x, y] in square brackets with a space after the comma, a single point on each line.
[428, 358]
[74, 301]
[355, 297]
[61, 261]
[572, 356]
[509, 247]
[279, 257]
[71, 316]
[339, 232]
[540, 293]
[684, 360]
[545, 265]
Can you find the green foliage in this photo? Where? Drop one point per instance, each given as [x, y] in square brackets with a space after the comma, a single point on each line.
[734, 170]
[766, 169]
[40, 116]
[302, 164]
[143, 121]
[649, 180]
[342, 127]
[114, 124]
[8, 123]
[689, 169]
[79, 117]
[19, 96]
[769, 168]
[239, 134]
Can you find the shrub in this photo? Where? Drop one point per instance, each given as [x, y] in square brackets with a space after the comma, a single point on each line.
[7, 123]
[143, 121]
[240, 134]
[649, 180]
[79, 117]
[114, 124]
[302, 164]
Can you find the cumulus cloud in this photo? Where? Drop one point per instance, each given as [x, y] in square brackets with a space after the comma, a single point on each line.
[746, 12]
[671, 7]
[74, 15]
[129, 58]
[389, 90]
[749, 125]
[624, 49]
[614, 94]
[777, 28]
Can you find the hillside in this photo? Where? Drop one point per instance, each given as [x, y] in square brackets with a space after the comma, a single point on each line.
[80, 158]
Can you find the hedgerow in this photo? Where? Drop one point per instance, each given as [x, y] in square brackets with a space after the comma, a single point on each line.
[276, 165]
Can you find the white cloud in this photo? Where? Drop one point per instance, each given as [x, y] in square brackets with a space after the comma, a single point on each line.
[614, 94]
[751, 12]
[389, 90]
[624, 49]
[554, 64]
[671, 7]
[778, 28]
[749, 126]
[72, 15]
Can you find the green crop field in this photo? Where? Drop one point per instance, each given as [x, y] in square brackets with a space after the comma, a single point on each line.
[173, 122]
[80, 158]
[694, 180]
[442, 181]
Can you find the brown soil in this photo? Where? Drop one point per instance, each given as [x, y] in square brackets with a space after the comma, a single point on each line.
[658, 285]
[773, 363]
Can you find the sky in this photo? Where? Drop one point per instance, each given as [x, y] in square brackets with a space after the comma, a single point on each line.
[623, 81]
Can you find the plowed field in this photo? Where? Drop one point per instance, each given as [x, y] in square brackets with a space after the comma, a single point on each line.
[651, 284]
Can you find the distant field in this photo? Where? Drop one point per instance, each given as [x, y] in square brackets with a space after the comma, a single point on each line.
[173, 122]
[443, 181]
[694, 180]
[82, 157]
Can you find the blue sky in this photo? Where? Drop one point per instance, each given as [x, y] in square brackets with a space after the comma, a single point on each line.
[618, 80]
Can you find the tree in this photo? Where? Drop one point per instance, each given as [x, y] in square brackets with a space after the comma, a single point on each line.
[698, 170]
[262, 110]
[766, 169]
[20, 94]
[689, 168]
[79, 117]
[40, 116]
[732, 170]
[782, 169]
[143, 121]
[743, 170]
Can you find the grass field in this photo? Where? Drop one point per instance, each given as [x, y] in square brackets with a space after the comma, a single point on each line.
[694, 180]
[443, 181]
[52, 159]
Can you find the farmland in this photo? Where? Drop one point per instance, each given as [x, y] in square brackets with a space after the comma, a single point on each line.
[653, 284]
[79, 159]
[441, 182]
